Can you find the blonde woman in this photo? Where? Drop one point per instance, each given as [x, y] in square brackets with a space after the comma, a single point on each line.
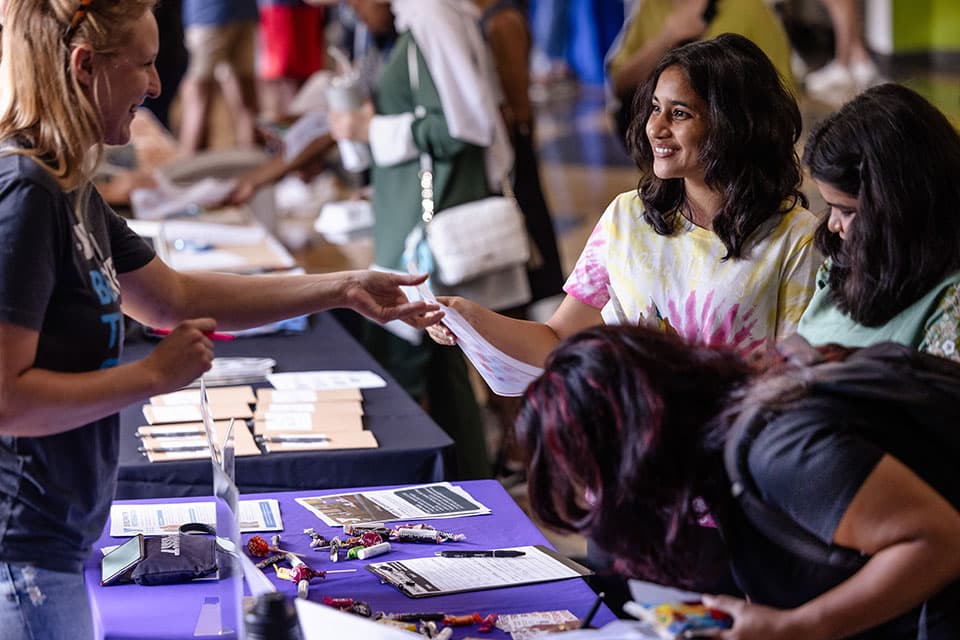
[72, 75]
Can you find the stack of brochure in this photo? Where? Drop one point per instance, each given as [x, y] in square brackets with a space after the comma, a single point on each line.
[175, 428]
[230, 371]
[308, 419]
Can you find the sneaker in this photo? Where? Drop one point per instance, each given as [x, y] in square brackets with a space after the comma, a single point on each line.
[831, 77]
[865, 74]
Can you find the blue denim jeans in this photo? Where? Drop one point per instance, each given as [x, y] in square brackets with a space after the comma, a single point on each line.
[38, 604]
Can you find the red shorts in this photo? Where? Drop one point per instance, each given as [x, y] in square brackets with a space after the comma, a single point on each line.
[291, 42]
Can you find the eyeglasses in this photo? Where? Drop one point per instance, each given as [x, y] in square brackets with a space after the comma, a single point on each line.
[78, 17]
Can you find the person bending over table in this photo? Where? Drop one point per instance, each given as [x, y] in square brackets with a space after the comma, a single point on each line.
[887, 164]
[715, 244]
[73, 74]
[625, 436]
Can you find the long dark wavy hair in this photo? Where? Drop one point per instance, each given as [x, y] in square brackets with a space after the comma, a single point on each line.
[625, 417]
[900, 158]
[748, 155]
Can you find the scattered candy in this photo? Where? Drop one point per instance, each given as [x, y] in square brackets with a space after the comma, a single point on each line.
[487, 622]
[259, 548]
[338, 603]
[458, 621]
[269, 560]
[317, 541]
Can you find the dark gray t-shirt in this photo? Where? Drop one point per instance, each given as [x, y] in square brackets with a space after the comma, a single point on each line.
[809, 462]
[58, 277]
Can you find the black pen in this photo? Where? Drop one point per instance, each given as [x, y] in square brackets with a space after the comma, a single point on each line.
[291, 438]
[593, 611]
[169, 434]
[495, 553]
[174, 449]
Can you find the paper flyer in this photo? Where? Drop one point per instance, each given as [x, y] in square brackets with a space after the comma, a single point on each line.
[505, 375]
[160, 519]
[440, 500]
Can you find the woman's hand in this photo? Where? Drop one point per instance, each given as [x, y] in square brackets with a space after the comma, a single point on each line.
[753, 621]
[377, 295]
[351, 125]
[183, 356]
[242, 192]
[440, 333]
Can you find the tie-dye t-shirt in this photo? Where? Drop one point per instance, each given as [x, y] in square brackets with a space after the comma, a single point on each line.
[681, 282]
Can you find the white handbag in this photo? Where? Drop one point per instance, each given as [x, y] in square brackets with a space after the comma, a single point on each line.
[467, 240]
[476, 238]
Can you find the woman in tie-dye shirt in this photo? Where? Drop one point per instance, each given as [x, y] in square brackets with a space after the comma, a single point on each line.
[715, 244]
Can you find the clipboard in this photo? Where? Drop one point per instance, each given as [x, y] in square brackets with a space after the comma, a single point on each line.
[435, 576]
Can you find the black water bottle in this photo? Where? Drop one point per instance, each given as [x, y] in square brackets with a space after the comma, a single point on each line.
[272, 618]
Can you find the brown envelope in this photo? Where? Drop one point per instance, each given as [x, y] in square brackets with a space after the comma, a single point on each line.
[267, 396]
[215, 395]
[166, 414]
[310, 423]
[322, 408]
[358, 440]
[159, 447]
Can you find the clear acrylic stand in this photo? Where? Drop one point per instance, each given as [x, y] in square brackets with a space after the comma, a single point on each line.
[222, 616]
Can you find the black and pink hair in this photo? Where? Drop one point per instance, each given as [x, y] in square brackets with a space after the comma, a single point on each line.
[621, 436]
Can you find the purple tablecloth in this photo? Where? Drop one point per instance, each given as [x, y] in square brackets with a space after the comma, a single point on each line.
[132, 612]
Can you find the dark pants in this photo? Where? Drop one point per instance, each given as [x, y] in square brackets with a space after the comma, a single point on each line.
[437, 377]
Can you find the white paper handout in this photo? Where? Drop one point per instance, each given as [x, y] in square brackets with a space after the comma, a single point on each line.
[505, 375]
[163, 518]
[323, 380]
[320, 622]
[167, 199]
[302, 133]
[434, 576]
[438, 500]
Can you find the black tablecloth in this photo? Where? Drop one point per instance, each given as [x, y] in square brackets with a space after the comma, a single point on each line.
[412, 447]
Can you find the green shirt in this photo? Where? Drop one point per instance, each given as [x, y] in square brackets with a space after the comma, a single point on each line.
[823, 322]
[458, 167]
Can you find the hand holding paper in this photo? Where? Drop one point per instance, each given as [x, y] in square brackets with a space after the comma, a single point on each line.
[505, 375]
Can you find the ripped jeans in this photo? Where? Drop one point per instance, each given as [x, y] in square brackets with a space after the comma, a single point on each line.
[39, 604]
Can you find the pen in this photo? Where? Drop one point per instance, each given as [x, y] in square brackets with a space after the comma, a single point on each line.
[316, 438]
[169, 434]
[495, 553]
[186, 447]
[213, 335]
[593, 610]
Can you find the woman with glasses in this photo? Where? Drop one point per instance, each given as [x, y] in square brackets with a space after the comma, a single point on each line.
[72, 76]
[887, 164]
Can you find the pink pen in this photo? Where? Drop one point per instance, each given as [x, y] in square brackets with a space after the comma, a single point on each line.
[213, 335]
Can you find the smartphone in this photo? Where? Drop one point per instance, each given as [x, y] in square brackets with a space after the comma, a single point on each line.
[118, 563]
